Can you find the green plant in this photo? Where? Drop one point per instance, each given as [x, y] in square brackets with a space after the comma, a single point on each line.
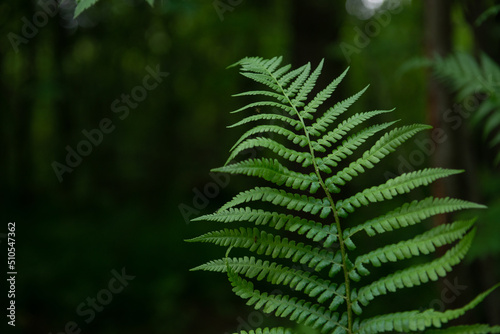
[473, 80]
[466, 76]
[315, 214]
[83, 5]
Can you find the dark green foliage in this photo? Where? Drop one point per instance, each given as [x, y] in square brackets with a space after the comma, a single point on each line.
[82, 5]
[311, 213]
[466, 76]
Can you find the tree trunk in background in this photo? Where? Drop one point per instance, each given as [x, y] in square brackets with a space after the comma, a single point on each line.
[486, 40]
[437, 36]
[457, 152]
[486, 37]
[438, 42]
[22, 116]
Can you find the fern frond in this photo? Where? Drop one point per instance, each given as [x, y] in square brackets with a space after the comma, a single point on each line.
[278, 105]
[313, 230]
[343, 128]
[259, 117]
[322, 123]
[258, 69]
[298, 139]
[297, 84]
[271, 170]
[414, 320]
[267, 93]
[462, 73]
[287, 78]
[257, 64]
[399, 185]
[290, 154]
[261, 78]
[352, 143]
[322, 96]
[411, 214]
[304, 157]
[483, 111]
[491, 11]
[467, 76]
[385, 145]
[282, 198]
[418, 274]
[275, 246]
[307, 87]
[422, 244]
[298, 310]
[492, 124]
[83, 5]
[277, 274]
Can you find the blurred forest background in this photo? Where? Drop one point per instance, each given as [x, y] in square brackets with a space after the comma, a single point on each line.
[126, 204]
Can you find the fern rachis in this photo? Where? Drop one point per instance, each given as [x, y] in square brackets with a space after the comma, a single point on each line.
[310, 212]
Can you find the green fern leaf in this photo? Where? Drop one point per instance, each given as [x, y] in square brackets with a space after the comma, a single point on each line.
[282, 198]
[296, 124]
[304, 161]
[470, 329]
[282, 106]
[467, 76]
[295, 309]
[82, 5]
[320, 289]
[300, 140]
[272, 170]
[273, 245]
[297, 84]
[287, 78]
[322, 123]
[415, 320]
[292, 155]
[352, 143]
[422, 244]
[411, 214]
[393, 187]
[322, 96]
[343, 128]
[417, 275]
[385, 145]
[312, 230]
[307, 88]
[277, 96]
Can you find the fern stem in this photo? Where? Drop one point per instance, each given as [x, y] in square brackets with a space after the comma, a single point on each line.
[332, 203]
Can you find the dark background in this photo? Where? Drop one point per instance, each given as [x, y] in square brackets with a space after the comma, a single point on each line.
[119, 207]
